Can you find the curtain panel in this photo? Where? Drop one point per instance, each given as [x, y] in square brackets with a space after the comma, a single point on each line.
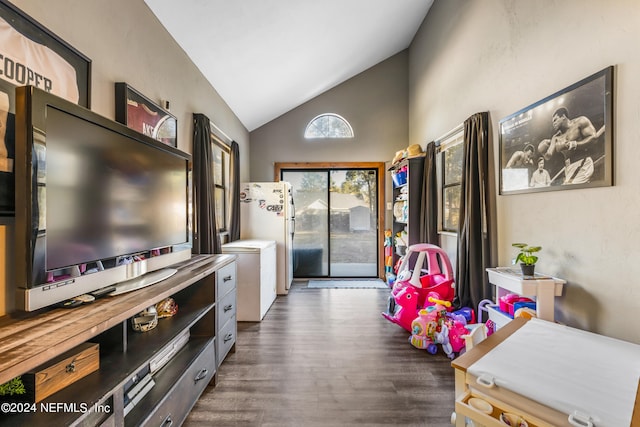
[206, 239]
[474, 248]
[429, 210]
[234, 188]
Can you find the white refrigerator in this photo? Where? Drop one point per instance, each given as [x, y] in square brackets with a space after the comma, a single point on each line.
[267, 212]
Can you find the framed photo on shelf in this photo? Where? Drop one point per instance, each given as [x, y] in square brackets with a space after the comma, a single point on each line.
[138, 112]
[32, 55]
[562, 142]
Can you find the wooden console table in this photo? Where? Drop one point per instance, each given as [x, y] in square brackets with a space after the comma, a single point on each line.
[28, 340]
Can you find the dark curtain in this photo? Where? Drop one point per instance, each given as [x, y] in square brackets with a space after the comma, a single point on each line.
[429, 210]
[474, 247]
[234, 186]
[206, 239]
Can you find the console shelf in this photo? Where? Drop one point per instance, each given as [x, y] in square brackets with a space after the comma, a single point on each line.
[29, 340]
[406, 202]
[539, 287]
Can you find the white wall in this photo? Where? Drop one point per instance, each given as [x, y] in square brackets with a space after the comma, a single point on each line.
[126, 43]
[375, 104]
[502, 55]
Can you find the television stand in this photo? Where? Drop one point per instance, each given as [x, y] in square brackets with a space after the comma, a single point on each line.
[143, 281]
[204, 288]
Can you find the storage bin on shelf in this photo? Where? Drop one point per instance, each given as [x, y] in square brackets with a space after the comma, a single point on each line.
[399, 177]
[400, 211]
[509, 303]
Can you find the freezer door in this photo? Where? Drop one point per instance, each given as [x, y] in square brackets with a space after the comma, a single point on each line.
[290, 208]
[262, 211]
[288, 253]
[290, 214]
[263, 215]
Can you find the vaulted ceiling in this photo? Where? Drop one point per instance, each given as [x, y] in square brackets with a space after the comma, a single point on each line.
[266, 57]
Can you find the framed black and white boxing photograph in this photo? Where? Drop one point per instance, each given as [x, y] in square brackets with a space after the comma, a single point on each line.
[30, 54]
[564, 141]
[143, 115]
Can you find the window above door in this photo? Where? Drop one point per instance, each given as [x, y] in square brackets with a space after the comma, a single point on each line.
[328, 125]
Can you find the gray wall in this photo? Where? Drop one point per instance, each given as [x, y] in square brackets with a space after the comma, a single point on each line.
[374, 102]
[502, 55]
[126, 43]
[469, 56]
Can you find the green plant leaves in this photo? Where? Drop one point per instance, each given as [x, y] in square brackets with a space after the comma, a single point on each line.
[525, 255]
[15, 386]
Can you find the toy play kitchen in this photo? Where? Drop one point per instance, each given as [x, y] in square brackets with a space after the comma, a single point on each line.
[548, 374]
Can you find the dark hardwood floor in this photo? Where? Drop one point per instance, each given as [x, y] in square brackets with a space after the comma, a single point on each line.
[326, 357]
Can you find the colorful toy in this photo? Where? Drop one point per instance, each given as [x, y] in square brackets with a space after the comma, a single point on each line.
[442, 337]
[435, 300]
[425, 326]
[404, 306]
[491, 327]
[435, 279]
[467, 313]
[388, 256]
[434, 325]
[419, 331]
[456, 333]
[401, 239]
[413, 288]
[391, 279]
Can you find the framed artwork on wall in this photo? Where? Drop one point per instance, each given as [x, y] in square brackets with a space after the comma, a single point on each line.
[32, 55]
[562, 142]
[141, 114]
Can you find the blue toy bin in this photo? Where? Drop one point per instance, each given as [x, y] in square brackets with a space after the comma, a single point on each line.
[399, 178]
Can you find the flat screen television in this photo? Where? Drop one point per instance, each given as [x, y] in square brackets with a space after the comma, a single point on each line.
[97, 204]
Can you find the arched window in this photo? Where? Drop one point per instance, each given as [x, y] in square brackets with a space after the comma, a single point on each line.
[328, 125]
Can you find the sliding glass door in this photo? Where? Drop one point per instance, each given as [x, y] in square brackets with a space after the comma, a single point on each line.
[336, 222]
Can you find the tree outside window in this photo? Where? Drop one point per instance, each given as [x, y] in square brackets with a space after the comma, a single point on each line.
[221, 181]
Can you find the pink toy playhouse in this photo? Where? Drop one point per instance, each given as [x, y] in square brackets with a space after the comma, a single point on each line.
[420, 288]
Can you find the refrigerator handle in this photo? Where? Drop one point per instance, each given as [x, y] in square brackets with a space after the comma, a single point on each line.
[292, 206]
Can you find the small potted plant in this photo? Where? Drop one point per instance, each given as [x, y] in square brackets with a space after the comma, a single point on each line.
[12, 391]
[526, 257]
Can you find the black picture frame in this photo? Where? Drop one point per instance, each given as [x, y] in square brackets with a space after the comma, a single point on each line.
[139, 113]
[563, 142]
[57, 67]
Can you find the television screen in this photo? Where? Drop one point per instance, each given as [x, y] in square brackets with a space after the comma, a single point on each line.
[97, 204]
[107, 195]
